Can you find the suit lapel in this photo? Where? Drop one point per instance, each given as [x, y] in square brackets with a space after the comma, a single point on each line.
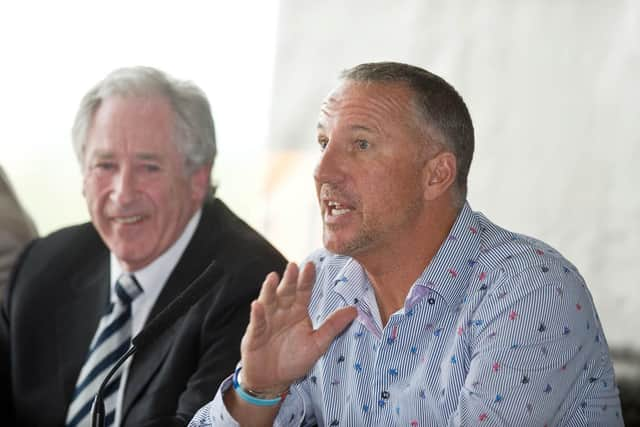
[77, 318]
[194, 260]
[148, 360]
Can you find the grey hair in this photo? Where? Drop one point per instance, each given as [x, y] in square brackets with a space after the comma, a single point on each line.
[195, 132]
[437, 105]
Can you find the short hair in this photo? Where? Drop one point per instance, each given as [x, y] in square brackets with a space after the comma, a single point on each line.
[437, 104]
[195, 134]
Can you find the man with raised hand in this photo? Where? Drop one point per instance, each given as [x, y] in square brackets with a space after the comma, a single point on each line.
[419, 311]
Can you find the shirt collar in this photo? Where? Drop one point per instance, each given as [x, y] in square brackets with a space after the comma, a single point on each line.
[447, 275]
[450, 270]
[353, 285]
[153, 277]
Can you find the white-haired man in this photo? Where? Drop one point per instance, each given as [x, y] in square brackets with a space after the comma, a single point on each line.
[146, 145]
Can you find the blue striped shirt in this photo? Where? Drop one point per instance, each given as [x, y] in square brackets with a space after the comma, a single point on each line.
[499, 329]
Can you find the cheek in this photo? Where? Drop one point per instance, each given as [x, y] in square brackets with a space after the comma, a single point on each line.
[375, 185]
[163, 195]
[97, 191]
[90, 193]
[94, 184]
[393, 190]
[166, 201]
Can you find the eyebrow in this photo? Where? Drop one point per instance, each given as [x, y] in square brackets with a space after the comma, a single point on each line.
[102, 154]
[363, 128]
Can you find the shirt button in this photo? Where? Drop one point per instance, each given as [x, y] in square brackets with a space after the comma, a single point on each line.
[385, 395]
[431, 300]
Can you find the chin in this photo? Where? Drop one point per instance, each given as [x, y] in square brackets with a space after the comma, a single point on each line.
[129, 255]
[352, 247]
[337, 242]
[338, 248]
[330, 245]
[330, 242]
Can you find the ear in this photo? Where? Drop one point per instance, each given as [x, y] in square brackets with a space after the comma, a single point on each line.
[200, 183]
[439, 174]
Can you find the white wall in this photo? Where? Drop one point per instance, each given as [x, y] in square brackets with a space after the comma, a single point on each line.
[553, 89]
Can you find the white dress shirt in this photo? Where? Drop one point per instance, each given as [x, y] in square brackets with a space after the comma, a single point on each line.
[152, 279]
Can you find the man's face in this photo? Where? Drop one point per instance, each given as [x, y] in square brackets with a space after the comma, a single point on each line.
[369, 179]
[137, 190]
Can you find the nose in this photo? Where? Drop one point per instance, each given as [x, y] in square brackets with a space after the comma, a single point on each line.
[331, 166]
[124, 187]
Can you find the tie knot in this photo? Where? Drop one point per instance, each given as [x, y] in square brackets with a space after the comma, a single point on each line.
[127, 288]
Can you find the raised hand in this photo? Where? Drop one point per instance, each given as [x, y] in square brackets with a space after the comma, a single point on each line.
[280, 344]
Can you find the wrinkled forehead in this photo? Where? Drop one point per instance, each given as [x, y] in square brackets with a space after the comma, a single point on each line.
[370, 104]
[140, 126]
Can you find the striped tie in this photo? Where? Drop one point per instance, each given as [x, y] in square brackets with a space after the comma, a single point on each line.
[112, 339]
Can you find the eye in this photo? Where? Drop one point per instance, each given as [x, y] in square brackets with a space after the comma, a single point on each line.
[323, 143]
[105, 166]
[151, 167]
[362, 144]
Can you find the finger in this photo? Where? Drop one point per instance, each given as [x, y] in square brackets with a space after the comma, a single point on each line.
[268, 292]
[307, 277]
[287, 286]
[306, 280]
[333, 326]
[257, 326]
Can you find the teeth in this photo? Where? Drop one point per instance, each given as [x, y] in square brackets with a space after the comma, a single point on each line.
[336, 208]
[128, 219]
[337, 212]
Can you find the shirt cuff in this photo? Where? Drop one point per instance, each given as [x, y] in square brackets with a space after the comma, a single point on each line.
[292, 411]
[215, 412]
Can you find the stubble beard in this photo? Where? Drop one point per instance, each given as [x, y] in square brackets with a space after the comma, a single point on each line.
[374, 234]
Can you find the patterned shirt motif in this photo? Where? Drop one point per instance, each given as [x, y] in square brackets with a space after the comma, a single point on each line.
[499, 329]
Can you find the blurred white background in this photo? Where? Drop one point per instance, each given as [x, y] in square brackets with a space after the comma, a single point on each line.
[553, 89]
[54, 52]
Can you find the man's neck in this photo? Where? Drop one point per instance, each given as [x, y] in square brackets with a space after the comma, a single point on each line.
[393, 269]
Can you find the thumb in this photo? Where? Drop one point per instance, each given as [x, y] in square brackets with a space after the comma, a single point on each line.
[333, 326]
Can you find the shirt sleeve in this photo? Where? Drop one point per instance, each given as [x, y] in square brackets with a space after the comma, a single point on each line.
[294, 411]
[539, 356]
[215, 413]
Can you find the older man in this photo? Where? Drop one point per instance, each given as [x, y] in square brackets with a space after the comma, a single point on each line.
[420, 311]
[146, 145]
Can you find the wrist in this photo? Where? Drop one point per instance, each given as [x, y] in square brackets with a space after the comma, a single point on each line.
[267, 397]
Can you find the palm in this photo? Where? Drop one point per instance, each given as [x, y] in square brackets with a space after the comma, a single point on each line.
[280, 344]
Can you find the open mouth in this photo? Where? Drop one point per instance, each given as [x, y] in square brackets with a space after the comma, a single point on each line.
[337, 209]
[127, 219]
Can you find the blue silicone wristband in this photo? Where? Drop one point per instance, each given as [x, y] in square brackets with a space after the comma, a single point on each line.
[247, 397]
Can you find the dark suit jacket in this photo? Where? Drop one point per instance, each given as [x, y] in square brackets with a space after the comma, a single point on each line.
[56, 298]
